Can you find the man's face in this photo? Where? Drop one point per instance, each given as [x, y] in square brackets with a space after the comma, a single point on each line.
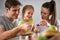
[13, 12]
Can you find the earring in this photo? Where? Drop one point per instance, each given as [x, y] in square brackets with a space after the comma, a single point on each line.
[50, 16]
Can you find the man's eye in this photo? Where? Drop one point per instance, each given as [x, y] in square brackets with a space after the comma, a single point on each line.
[14, 10]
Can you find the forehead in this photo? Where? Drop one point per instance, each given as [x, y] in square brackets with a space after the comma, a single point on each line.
[15, 7]
[46, 10]
[29, 10]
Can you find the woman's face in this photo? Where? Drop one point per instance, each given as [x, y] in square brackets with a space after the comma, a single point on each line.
[45, 13]
[28, 14]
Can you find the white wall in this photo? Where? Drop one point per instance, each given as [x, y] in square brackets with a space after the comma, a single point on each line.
[2, 9]
[36, 4]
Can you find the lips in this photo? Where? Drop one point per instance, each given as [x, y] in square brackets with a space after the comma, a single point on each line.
[30, 17]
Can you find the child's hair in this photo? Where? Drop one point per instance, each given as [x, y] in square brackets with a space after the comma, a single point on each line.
[27, 7]
[52, 8]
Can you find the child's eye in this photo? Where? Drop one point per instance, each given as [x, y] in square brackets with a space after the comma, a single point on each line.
[31, 13]
[28, 12]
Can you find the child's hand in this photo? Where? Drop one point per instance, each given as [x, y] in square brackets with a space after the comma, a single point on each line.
[25, 26]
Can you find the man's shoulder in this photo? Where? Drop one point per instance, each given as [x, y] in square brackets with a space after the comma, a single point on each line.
[2, 18]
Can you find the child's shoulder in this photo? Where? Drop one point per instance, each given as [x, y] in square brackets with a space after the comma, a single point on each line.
[21, 22]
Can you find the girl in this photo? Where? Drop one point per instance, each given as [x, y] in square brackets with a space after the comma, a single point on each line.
[27, 14]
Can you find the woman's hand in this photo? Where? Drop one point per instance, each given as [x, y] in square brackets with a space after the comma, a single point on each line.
[36, 30]
[43, 23]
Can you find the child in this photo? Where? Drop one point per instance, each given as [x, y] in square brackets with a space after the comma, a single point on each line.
[27, 14]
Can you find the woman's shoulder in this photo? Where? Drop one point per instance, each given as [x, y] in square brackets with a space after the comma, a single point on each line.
[58, 21]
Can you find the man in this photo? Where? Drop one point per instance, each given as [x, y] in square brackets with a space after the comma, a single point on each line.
[8, 30]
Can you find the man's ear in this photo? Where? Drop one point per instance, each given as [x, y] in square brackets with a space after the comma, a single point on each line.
[50, 16]
[7, 9]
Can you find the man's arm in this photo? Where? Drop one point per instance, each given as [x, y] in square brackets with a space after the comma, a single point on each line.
[8, 34]
[11, 33]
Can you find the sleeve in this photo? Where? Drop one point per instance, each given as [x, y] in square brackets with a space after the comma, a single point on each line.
[2, 23]
[2, 26]
[58, 24]
[20, 22]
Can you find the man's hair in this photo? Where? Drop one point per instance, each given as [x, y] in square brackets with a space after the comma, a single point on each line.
[10, 3]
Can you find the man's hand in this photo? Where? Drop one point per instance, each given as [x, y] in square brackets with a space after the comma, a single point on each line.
[24, 27]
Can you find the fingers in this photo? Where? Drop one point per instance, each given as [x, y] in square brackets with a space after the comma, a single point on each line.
[26, 26]
[36, 30]
[43, 22]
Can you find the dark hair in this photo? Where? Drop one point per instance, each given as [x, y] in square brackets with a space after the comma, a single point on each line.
[51, 6]
[10, 3]
[27, 7]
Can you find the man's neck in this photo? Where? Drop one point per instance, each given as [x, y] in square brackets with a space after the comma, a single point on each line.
[9, 17]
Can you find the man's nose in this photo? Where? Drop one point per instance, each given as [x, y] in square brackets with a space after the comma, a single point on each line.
[17, 12]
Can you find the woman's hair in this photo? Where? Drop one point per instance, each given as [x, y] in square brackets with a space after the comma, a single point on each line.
[52, 8]
[27, 7]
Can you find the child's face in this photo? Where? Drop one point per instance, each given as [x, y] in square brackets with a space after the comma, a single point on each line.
[28, 14]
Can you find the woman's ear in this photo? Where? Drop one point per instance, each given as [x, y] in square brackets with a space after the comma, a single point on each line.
[50, 16]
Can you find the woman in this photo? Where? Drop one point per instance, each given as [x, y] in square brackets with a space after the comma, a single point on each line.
[48, 14]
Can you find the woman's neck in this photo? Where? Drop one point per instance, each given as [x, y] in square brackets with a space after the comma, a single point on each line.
[48, 20]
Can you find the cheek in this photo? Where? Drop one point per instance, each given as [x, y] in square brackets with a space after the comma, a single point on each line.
[11, 13]
[47, 15]
[25, 15]
[44, 16]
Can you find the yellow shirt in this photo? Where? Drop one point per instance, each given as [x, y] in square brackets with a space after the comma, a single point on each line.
[22, 22]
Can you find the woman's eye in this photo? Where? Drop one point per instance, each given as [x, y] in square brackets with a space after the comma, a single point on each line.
[45, 13]
[41, 12]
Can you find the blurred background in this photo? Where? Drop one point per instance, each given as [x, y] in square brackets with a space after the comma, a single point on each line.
[37, 6]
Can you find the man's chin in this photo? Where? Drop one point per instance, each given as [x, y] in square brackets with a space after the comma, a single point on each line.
[15, 17]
